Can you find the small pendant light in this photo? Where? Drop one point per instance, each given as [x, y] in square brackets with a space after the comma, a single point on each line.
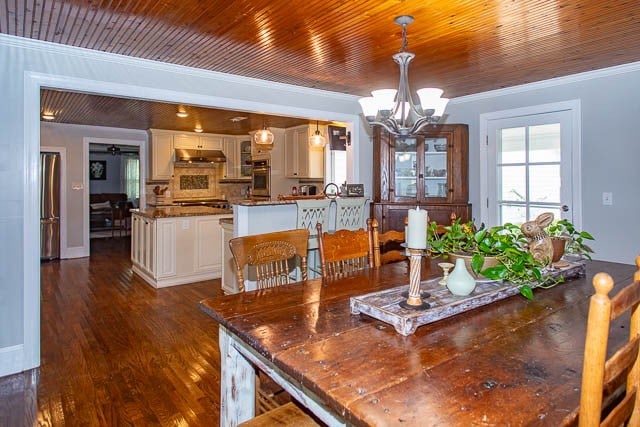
[317, 140]
[263, 136]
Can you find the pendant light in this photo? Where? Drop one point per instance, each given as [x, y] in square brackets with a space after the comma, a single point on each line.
[263, 136]
[317, 140]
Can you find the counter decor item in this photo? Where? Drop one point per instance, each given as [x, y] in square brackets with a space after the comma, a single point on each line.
[460, 282]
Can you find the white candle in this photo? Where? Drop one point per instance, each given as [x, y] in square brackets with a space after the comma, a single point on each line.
[417, 230]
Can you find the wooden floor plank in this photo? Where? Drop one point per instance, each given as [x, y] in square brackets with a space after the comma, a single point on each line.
[115, 351]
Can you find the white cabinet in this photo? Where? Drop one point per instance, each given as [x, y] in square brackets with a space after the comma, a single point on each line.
[161, 156]
[176, 250]
[237, 150]
[302, 161]
[201, 142]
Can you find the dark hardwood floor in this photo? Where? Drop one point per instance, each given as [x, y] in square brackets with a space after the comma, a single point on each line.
[117, 352]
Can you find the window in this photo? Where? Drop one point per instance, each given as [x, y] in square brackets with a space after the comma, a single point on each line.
[131, 177]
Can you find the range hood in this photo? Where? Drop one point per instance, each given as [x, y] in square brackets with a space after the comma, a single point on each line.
[193, 155]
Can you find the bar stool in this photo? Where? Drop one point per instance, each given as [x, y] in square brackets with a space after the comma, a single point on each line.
[311, 213]
[350, 213]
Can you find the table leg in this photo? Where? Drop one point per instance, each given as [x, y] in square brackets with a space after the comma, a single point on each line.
[237, 383]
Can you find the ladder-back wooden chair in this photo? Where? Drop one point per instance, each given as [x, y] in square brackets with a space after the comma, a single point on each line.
[609, 394]
[270, 253]
[386, 246]
[345, 251]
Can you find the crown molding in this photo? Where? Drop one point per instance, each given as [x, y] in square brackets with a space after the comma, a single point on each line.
[556, 81]
[80, 52]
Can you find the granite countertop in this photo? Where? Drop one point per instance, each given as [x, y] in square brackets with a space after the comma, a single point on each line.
[264, 202]
[178, 211]
[226, 221]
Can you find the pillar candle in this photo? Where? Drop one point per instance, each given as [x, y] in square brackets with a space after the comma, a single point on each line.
[417, 230]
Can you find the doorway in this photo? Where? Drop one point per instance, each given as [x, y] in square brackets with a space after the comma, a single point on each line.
[532, 163]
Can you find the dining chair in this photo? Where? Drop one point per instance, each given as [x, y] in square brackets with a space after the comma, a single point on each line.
[345, 251]
[386, 246]
[270, 254]
[609, 394]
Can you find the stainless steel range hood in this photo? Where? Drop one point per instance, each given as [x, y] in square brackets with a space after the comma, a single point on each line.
[192, 155]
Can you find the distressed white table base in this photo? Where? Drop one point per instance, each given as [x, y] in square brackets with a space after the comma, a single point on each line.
[237, 383]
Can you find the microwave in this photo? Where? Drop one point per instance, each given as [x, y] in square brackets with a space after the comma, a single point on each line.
[260, 178]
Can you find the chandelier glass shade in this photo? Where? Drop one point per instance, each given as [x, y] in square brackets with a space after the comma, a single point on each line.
[263, 136]
[317, 140]
[396, 110]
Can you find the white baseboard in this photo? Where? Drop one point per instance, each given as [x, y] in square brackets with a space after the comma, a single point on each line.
[75, 252]
[12, 360]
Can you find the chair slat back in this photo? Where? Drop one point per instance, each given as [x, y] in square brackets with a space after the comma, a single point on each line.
[605, 399]
[386, 239]
[344, 251]
[350, 213]
[310, 213]
[270, 253]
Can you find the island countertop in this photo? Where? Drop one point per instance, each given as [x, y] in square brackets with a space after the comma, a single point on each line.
[179, 211]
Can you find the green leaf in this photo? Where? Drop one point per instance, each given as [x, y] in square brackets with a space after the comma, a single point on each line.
[476, 263]
[499, 272]
[526, 292]
[586, 235]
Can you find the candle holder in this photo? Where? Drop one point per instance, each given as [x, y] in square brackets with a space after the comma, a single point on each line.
[446, 267]
[414, 297]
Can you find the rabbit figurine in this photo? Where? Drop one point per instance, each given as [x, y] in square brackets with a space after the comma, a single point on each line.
[540, 244]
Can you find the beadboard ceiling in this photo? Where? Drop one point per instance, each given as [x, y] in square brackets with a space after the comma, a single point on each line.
[462, 46]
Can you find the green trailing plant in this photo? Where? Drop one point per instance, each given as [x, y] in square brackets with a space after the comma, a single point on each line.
[505, 242]
[575, 239]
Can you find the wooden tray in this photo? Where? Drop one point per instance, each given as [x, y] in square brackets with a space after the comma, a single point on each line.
[384, 305]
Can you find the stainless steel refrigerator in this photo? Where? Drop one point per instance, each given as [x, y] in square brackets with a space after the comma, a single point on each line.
[49, 206]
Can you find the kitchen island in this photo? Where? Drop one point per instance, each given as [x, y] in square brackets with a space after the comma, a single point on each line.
[177, 245]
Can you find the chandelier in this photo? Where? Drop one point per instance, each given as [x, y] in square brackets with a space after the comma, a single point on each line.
[395, 110]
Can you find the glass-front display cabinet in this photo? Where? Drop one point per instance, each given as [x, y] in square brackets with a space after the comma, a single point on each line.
[428, 169]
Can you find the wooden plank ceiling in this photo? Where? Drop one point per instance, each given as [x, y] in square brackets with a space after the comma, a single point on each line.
[462, 46]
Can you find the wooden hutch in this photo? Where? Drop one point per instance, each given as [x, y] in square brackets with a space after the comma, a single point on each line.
[429, 169]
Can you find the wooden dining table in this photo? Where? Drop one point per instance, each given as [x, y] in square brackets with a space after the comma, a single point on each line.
[509, 363]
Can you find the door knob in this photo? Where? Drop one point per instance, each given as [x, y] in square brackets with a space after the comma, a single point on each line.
[565, 208]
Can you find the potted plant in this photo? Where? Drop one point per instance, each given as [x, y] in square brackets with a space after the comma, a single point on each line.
[505, 243]
[566, 238]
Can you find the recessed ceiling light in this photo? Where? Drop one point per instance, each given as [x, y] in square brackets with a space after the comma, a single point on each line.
[238, 119]
[182, 114]
[48, 116]
[199, 130]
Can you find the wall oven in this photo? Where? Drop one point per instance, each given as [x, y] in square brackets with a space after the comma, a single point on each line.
[260, 178]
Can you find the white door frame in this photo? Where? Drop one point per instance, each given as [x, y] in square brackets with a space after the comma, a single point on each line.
[573, 106]
[142, 153]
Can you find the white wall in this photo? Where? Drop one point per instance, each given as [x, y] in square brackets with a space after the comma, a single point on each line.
[28, 65]
[610, 148]
[72, 137]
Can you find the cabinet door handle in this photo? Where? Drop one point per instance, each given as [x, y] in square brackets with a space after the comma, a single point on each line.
[420, 176]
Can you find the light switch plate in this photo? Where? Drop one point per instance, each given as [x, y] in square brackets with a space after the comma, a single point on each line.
[607, 198]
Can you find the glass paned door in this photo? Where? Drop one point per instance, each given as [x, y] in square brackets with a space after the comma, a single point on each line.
[435, 167]
[530, 167]
[405, 168]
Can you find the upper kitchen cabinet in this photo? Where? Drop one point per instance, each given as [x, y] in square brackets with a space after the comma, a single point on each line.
[302, 161]
[428, 169]
[200, 142]
[237, 150]
[161, 147]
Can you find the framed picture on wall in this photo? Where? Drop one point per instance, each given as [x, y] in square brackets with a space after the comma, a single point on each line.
[98, 169]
